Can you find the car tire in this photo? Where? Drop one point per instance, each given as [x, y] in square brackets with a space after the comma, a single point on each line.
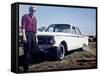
[60, 52]
[83, 47]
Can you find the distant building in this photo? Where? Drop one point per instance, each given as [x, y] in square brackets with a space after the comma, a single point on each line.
[92, 38]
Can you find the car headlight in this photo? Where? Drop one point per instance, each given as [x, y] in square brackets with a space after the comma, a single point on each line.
[51, 41]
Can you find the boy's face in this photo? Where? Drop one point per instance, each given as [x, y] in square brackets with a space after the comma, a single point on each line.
[32, 11]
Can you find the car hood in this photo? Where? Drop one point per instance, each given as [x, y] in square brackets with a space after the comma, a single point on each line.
[51, 33]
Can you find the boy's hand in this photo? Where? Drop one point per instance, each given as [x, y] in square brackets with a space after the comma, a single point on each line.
[36, 39]
[24, 39]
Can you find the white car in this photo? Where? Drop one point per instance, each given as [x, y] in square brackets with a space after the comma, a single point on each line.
[61, 37]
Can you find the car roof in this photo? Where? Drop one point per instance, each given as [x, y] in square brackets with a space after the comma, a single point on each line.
[61, 24]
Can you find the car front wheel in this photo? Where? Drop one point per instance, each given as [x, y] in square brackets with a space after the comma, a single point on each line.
[60, 52]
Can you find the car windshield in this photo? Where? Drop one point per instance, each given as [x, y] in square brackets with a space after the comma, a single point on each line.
[59, 28]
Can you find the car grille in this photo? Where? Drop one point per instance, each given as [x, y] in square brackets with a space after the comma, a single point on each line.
[44, 39]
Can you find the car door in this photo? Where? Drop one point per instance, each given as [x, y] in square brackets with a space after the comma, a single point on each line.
[78, 38]
[74, 39]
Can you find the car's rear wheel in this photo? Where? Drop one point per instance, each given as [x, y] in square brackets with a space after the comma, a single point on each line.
[83, 47]
[60, 52]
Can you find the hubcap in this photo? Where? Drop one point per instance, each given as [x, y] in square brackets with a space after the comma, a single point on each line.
[61, 52]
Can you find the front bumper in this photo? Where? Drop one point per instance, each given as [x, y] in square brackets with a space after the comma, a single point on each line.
[46, 47]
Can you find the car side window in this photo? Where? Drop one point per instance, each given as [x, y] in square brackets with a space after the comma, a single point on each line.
[73, 30]
[78, 31]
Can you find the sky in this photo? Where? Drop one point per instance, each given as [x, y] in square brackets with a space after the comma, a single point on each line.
[84, 18]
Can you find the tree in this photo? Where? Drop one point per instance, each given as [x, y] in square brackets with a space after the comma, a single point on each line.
[41, 29]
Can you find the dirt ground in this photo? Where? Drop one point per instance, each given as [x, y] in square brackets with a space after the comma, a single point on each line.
[76, 59]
